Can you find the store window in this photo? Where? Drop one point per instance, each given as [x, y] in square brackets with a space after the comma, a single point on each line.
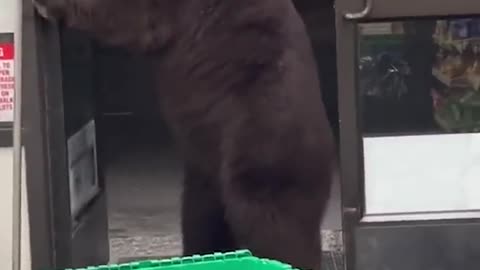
[419, 93]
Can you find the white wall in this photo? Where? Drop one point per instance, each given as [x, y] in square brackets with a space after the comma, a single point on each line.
[7, 25]
[7, 16]
[6, 185]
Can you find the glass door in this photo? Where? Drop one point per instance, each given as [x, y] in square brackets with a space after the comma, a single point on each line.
[68, 188]
[409, 99]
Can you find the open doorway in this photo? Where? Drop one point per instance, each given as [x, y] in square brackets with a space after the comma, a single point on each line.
[142, 171]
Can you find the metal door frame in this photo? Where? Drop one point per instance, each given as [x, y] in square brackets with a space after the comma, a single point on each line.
[37, 157]
[349, 142]
[351, 153]
[54, 242]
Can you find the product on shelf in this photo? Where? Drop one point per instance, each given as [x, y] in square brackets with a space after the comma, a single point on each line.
[457, 68]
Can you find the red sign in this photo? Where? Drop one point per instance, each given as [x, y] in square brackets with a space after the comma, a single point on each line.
[6, 51]
[7, 81]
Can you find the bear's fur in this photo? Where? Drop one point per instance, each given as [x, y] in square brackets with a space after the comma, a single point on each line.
[238, 85]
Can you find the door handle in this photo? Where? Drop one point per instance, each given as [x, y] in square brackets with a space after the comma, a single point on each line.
[362, 14]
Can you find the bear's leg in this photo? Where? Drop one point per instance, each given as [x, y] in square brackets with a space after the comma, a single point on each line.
[275, 223]
[203, 224]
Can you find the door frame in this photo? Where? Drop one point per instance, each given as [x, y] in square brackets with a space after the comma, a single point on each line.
[55, 242]
[35, 136]
[355, 232]
[349, 142]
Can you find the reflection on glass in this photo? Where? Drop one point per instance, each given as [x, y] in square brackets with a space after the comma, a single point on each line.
[419, 90]
[395, 77]
[420, 76]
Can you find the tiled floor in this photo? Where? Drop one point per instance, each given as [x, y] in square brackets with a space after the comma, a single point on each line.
[143, 182]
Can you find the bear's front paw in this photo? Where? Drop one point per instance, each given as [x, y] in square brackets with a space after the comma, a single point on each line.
[49, 9]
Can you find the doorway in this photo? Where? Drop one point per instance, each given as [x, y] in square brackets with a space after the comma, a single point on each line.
[109, 156]
[142, 170]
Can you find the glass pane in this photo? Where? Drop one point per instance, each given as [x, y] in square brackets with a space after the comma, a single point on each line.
[419, 90]
[79, 85]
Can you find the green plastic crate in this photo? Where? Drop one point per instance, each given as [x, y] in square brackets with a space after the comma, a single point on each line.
[238, 260]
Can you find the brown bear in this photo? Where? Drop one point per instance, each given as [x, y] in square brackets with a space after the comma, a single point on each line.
[237, 82]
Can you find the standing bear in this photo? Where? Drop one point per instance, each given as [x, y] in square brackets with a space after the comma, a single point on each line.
[237, 83]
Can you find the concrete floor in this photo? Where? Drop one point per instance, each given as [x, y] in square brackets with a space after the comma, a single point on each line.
[144, 205]
[144, 184]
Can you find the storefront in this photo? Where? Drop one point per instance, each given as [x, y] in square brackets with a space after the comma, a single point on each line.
[409, 110]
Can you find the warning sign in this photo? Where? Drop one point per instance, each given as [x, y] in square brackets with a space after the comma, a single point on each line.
[7, 77]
